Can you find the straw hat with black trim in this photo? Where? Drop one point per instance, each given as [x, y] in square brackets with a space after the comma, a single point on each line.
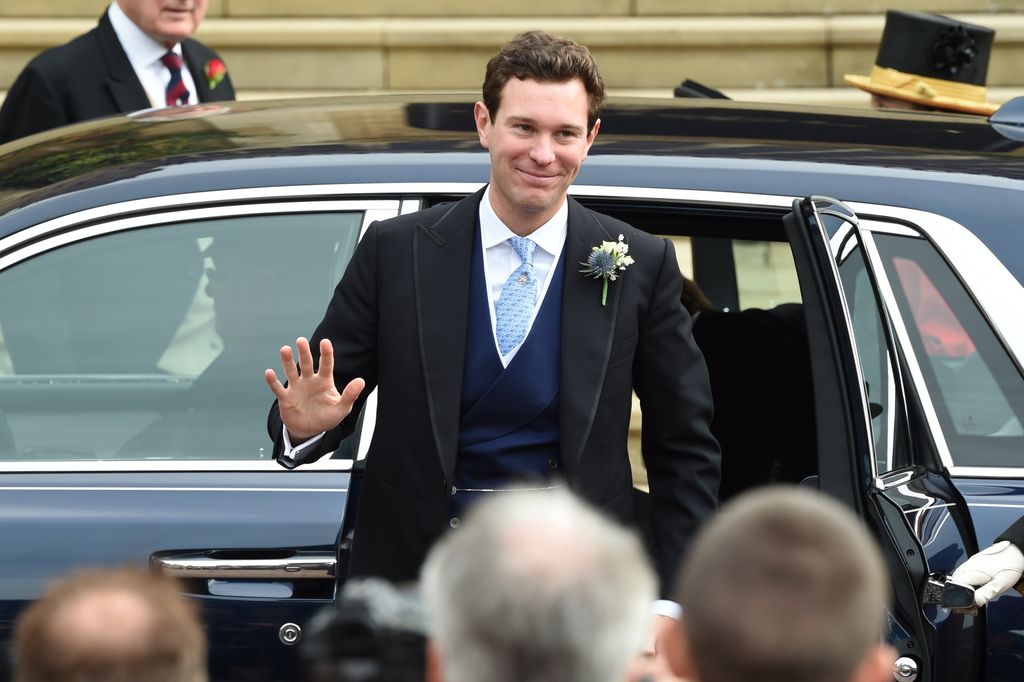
[931, 60]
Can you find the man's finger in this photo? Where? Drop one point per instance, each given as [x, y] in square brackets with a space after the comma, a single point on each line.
[985, 594]
[305, 356]
[275, 384]
[352, 391]
[288, 364]
[326, 358]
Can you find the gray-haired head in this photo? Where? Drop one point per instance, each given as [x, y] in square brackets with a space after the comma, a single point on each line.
[536, 587]
[784, 585]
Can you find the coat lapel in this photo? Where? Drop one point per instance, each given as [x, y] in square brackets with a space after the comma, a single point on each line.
[197, 67]
[442, 258]
[122, 83]
[587, 328]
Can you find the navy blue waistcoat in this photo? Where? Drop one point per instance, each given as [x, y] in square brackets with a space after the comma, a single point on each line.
[508, 431]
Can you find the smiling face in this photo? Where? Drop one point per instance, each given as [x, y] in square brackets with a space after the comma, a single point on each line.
[537, 142]
[166, 21]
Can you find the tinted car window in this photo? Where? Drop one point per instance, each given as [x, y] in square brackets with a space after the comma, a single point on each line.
[151, 343]
[872, 351]
[977, 389]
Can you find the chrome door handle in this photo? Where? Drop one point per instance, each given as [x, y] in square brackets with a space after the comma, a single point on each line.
[201, 565]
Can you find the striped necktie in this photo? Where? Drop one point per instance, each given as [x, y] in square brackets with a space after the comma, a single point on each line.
[176, 92]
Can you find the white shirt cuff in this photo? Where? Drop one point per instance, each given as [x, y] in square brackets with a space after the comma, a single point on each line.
[664, 607]
[294, 454]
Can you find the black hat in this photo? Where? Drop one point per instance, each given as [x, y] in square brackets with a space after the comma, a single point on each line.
[932, 60]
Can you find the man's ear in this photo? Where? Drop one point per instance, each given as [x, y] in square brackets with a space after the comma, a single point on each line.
[876, 666]
[435, 664]
[591, 136]
[482, 118]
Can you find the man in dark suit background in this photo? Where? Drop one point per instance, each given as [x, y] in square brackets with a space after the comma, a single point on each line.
[467, 407]
[139, 56]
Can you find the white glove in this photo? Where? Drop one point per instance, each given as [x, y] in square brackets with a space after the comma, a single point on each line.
[992, 571]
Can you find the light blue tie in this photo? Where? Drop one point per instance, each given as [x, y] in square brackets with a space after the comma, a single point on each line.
[518, 297]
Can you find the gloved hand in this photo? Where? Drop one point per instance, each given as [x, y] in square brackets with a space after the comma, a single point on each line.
[992, 571]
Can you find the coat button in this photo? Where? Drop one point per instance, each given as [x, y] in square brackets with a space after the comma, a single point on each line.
[454, 522]
[552, 464]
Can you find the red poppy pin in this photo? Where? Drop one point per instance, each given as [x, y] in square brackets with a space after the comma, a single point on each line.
[215, 72]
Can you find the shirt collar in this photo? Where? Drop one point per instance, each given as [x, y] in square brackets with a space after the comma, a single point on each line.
[141, 49]
[550, 236]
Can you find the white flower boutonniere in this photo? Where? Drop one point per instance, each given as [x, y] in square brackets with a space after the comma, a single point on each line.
[607, 262]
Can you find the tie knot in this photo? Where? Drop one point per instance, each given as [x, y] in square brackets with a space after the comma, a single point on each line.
[172, 61]
[524, 248]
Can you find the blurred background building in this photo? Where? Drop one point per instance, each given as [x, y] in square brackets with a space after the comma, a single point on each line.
[765, 50]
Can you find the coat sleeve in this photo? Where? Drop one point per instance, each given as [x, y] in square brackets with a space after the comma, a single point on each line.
[32, 105]
[682, 457]
[1014, 534]
[351, 324]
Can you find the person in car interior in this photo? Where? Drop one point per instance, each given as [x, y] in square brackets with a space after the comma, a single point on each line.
[762, 425]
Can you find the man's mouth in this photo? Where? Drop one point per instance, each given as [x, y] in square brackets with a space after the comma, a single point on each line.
[539, 178]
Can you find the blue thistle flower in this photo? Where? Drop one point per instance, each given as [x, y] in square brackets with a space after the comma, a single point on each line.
[600, 264]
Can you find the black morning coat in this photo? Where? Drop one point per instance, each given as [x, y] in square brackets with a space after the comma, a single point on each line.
[398, 320]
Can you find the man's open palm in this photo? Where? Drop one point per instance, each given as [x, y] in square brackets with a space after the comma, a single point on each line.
[310, 404]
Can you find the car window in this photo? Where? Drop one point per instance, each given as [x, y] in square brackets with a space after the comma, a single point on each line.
[765, 273]
[151, 343]
[872, 352]
[977, 389]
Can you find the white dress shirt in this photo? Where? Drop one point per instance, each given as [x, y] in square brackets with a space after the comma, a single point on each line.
[501, 260]
[144, 54]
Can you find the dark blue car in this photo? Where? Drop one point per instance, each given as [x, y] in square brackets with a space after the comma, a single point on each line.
[152, 265]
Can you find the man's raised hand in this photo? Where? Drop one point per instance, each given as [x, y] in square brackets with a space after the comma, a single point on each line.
[310, 404]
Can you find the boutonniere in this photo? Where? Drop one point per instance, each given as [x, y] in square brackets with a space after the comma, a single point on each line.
[215, 72]
[607, 262]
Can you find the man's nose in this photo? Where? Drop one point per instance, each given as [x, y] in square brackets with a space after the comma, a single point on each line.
[542, 153]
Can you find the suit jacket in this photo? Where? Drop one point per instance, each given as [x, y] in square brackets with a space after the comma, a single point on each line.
[90, 77]
[398, 319]
[1015, 534]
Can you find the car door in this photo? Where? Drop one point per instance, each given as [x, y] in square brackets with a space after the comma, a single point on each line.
[878, 450]
[133, 408]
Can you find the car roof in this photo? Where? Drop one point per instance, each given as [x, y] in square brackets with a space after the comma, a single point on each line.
[390, 138]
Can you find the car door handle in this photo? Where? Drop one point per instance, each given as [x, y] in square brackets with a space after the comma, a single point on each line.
[939, 589]
[222, 566]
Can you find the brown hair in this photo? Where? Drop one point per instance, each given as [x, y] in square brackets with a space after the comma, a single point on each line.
[111, 625]
[693, 297]
[783, 585]
[543, 57]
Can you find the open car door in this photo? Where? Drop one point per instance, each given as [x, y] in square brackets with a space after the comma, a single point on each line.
[875, 451]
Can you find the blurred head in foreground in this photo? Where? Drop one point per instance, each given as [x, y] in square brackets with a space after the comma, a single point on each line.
[110, 625]
[535, 587]
[784, 585]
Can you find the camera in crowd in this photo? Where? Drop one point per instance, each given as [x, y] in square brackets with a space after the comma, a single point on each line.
[375, 633]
